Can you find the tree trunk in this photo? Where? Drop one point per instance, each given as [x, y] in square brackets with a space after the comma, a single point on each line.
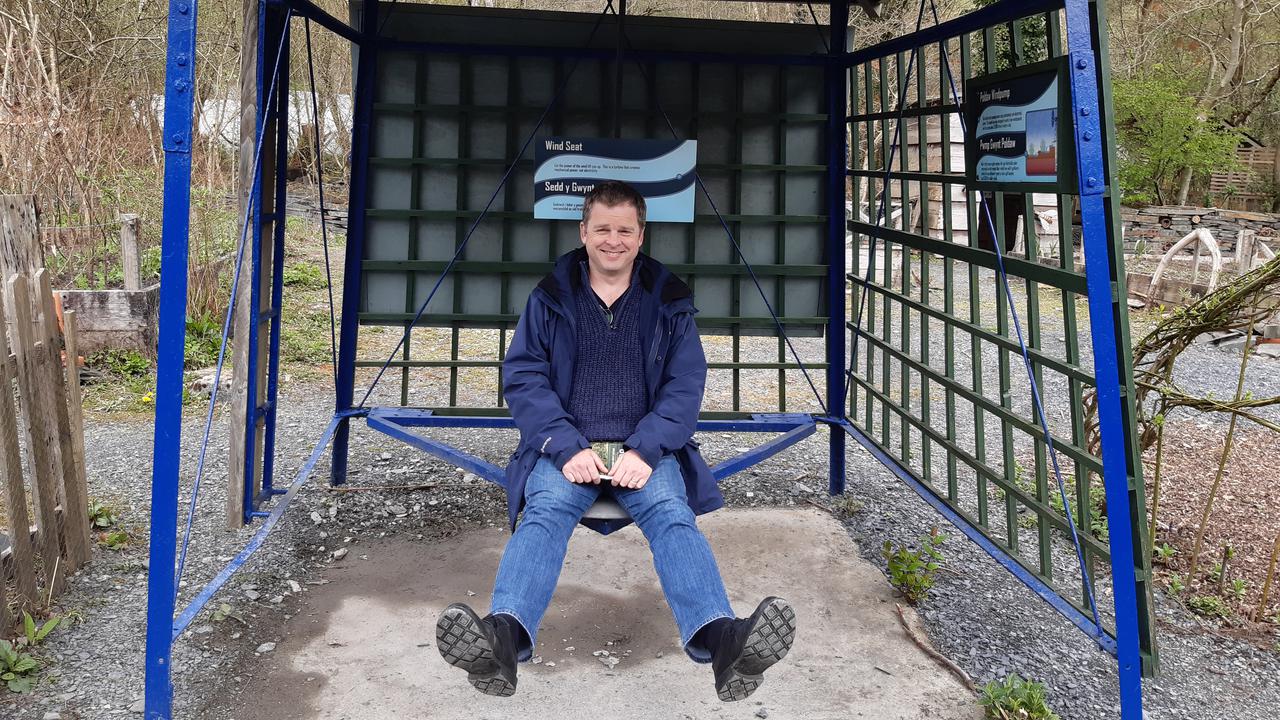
[1185, 189]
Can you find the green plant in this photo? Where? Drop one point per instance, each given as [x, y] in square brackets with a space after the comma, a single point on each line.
[1210, 606]
[846, 506]
[204, 337]
[32, 634]
[305, 275]
[1015, 699]
[1215, 574]
[16, 667]
[1176, 586]
[125, 363]
[913, 572]
[101, 516]
[1164, 552]
[115, 540]
[1238, 589]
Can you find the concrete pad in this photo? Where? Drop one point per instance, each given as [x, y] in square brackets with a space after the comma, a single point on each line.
[364, 645]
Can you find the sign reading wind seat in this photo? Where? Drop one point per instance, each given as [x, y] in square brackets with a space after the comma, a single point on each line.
[569, 168]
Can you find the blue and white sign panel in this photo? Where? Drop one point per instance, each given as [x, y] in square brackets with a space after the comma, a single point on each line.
[661, 170]
[1017, 133]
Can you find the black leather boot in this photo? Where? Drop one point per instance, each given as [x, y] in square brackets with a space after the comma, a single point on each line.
[748, 647]
[485, 648]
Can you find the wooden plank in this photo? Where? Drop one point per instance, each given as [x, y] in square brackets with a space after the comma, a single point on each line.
[249, 65]
[42, 439]
[75, 529]
[19, 523]
[129, 264]
[20, 251]
[75, 408]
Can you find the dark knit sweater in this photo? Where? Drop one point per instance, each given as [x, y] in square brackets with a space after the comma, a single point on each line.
[608, 398]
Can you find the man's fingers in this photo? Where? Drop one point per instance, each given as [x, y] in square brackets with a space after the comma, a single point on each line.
[600, 466]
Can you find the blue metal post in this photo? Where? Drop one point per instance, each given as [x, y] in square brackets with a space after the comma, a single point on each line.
[276, 317]
[351, 273]
[837, 93]
[179, 79]
[1104, 325]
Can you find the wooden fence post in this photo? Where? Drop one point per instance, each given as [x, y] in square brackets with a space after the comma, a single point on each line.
[75, 503]
[19, 525]
[42, 439]
[76, 416]
[129, 262]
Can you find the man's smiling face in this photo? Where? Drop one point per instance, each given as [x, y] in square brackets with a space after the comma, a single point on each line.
[612, 236]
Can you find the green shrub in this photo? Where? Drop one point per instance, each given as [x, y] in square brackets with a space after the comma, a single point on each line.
[913, 572]
[1015, 699]
[305, 275]
[16, 667]
[125, 363]
[1210, 606]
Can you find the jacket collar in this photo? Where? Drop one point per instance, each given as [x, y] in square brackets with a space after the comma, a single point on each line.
[673, 294]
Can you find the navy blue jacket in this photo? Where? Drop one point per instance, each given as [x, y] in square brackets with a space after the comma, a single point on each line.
[538, 375]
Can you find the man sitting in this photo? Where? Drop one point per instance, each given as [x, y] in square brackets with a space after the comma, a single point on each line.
[607, 352]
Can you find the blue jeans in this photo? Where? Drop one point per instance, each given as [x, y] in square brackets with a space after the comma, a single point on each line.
[534, 555]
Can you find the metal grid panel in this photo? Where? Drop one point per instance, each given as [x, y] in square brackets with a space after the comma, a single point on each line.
[446, 126]
[937, 380]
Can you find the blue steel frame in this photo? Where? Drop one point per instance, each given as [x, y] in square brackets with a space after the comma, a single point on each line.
[163, 628]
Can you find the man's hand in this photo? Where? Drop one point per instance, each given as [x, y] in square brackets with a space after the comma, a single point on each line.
[585, 467]
[630, 471]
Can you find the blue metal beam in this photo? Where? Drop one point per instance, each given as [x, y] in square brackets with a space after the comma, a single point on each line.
[1104, 321]
[763, 452]
[361, 130]
[281, 116]
[1002, 12]
[308, 9]
[179, 82]
[206, 593]
[1030, 579]
[418, 417]
[837, 161]
[393, 421]
[444, 451]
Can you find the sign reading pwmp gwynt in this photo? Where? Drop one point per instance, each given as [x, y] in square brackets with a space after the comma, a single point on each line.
[568, 168]
[1018, 138]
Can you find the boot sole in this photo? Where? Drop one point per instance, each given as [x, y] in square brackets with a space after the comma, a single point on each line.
[462, 643]
[773, 630]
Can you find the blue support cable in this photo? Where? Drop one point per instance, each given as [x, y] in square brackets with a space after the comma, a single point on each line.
[1098, 632]
[997, 553]
[324, 225]
[176, 139]
[881, 206]
[1104, 323]
[466, 238]
[837, 161]
[206, 593]
[226, 332]
[737, 248]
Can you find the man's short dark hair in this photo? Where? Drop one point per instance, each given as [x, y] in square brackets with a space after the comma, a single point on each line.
[612, 193]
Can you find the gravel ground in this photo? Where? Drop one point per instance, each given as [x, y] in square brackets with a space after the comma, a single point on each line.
[978, 614]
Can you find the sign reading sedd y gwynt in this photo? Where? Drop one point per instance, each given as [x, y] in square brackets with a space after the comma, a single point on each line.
[568, 168]
[1018, 139]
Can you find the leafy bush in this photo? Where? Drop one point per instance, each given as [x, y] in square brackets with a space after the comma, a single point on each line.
[1210, 606]
[125, 363]
[305, 275]
[1163, 131]
[101, 516]
[1015, 699]
[204, 338]
[913, 572]
[16, 667]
